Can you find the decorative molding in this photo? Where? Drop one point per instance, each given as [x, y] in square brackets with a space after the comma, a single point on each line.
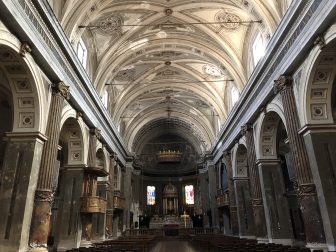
[282, 83]
[226, 18]
[306, 190]
[244, 128]
[61, 89]
[24, 49]
[95, 132]
[111, 23]
[44, 195]
[320, 41]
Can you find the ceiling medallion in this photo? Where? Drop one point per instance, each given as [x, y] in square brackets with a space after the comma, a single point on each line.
[226, 19]
[212, 70]
[168, 12]
[111, 23]
[125, 75]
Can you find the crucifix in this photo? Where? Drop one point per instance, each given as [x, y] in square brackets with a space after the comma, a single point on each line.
[184, 217]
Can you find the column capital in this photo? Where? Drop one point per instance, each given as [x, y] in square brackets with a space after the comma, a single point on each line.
[61, 89]
[79, 114]
[284, 82]
[24, 49]
[320, 41]
[95, 132]
[114, 156]
[244, 128]
[227, 154]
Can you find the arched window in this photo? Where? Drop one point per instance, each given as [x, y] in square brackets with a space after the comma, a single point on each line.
[234, 95]
[82, 52]
[189, 194]
[150, 195]
[105, 97]
[258, 48]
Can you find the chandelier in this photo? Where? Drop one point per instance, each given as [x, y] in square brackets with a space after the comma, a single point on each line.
[169, 156]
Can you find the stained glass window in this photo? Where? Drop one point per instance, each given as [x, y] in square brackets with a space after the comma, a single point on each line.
[189, 194]
[150, 195]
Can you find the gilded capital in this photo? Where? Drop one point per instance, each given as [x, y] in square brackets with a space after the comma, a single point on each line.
[282, 83]
[61, 89]
[95, 132]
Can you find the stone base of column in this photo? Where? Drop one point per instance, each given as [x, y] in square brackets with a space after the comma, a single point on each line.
[234, 220]
[322, 247]
[38, 250]
[288, 242]
[259, 221]
[311, 214]
[40, 220]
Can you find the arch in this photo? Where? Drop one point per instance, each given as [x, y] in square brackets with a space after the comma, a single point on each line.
[71, 137]
[319, 78]
[239, 161]
[25, 84]
[266, 132]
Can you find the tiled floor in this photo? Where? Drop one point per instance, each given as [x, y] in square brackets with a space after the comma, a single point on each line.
[173, 246]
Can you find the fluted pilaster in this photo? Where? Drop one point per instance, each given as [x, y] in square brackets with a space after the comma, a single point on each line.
[233, 205]
[257, 202]
[44, 194]
[109, 211]
[306, 187]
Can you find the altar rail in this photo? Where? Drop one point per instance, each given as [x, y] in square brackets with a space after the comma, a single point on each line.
[160, 232]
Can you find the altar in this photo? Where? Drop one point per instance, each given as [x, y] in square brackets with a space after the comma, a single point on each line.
[170, 221]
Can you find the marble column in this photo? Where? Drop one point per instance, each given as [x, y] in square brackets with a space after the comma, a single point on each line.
[110, 192]
[21, 164]
[232, 196]
[257, 202]
[212, 194]
[306, 187]
[44, 194]
[90, 185]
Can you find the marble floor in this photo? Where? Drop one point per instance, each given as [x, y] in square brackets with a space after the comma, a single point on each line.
[173, 245]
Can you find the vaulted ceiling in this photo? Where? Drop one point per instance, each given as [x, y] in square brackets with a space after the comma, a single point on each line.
[169, 66]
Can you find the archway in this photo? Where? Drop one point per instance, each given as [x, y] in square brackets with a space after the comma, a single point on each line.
[21, 142]
[68, 183]
[242, 192]
[318, 102]
[274, 178]
[290, 182]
